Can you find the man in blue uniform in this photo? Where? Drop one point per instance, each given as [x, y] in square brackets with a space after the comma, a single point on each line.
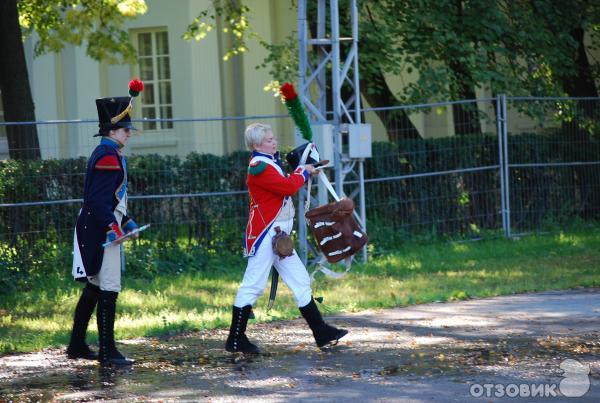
[102, 218]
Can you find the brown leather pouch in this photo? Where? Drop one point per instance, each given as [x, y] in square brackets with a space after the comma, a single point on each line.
[282, 244]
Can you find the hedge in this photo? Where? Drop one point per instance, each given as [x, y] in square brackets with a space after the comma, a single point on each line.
[452, 205]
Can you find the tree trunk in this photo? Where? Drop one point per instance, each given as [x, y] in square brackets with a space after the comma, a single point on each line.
[466, 116]
[582, 85]
[396, 122]
[14, 85]
[466, 122]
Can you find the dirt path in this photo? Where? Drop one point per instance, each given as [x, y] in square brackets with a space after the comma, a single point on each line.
[444, 352]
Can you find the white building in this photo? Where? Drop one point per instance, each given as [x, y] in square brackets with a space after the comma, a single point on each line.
[183, 79]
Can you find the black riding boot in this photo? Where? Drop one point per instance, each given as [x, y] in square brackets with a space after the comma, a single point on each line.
[323, 333]
[237, 340]
[78, 348]
[109, 355]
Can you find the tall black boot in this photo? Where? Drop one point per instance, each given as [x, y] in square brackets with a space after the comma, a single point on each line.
[237, 340]
[78, 348]
[109, 355]
[323, 333]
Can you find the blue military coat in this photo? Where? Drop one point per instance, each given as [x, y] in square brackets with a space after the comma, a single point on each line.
[105, 186]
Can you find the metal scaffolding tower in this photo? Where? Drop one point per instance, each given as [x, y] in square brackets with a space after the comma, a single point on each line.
[329, 77]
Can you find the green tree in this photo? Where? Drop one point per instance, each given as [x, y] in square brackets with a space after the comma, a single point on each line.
[523, 47]
[97, 23]
[282, 60]
[565, 25]
[574, 29]
[460, 46]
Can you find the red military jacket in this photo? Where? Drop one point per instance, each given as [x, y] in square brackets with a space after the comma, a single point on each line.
[268, 186]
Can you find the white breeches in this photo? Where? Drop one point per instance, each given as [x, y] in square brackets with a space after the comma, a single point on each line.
[291, 269]
[109, 277]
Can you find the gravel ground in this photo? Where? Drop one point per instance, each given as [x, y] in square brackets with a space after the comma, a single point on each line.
[482, 350]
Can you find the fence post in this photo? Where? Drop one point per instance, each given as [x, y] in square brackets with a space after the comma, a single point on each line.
[507, 230]
[500, 131]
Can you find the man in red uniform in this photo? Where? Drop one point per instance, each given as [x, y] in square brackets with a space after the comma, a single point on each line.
[271, 207]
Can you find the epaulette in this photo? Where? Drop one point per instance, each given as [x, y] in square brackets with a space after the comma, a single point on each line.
[108, 163]
[257, 168]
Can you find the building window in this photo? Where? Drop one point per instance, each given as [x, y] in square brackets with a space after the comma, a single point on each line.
[155, 72]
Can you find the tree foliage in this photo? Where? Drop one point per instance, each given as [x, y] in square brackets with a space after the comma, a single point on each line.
[456, 47]
[235, 24]
[570, 32]
[97, 23]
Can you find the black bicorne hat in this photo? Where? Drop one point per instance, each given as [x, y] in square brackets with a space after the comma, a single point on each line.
[305, 154]
[113, 113]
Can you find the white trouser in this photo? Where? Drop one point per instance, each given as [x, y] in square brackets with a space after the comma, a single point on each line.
[109, 277]
[291, 269]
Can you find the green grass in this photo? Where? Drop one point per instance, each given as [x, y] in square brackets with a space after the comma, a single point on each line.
[170, 304]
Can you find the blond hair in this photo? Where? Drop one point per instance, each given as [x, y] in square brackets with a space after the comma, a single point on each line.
[255, 134]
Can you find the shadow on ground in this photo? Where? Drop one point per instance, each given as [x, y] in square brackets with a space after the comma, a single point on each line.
[418, 353]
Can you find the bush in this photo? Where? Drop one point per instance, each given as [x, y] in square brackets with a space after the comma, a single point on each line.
[37, 239]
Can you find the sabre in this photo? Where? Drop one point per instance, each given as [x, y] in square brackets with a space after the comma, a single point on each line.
[273, 293]
[126, 236]
[322, 164]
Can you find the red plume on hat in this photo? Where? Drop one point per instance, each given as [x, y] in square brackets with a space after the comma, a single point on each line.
[294, 106]
[135, 87]
[288, 92]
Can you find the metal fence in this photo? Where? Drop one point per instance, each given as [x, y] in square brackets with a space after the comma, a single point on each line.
[455, 169]
[551, 162]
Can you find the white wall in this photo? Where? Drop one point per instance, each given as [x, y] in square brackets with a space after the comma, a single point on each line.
[195, 80]
[64, 87]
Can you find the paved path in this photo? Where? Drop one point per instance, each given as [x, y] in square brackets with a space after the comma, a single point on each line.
[432, 352]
